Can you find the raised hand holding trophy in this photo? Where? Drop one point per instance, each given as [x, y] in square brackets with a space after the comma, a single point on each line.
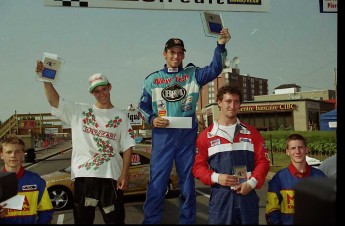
[212, 23]
[51, 70]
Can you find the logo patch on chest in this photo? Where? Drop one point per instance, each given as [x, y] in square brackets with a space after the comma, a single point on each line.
[215, 142]
[187, 104]
[243, 139]
[29, 187]
[174, 93]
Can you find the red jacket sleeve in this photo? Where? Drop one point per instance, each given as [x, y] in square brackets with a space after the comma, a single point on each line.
[261, 162]
[201, 169]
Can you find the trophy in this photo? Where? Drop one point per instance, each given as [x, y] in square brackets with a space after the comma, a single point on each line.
[51, 69]
[212, 23]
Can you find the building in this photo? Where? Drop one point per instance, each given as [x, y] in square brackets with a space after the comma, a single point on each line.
[287, 109]
[251, 86]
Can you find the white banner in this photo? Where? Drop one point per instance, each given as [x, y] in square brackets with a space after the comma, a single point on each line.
[51, 130]
[214, 5]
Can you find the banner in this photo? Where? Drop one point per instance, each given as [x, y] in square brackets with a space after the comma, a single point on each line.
[51, 130]
[328, 6]
[29, 124]
[135, 117]
[205, 5]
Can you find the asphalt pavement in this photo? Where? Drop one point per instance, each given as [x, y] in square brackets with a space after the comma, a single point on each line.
[59, 148]
[43, 154]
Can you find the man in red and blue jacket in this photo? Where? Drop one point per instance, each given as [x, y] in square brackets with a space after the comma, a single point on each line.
[232, 158]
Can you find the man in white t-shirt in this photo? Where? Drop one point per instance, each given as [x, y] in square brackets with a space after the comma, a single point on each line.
[100, 133]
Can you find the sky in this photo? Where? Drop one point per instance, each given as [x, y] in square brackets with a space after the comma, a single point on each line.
[292, 43]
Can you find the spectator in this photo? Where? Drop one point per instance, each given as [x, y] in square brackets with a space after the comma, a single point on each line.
[280, 196]
[37, 207]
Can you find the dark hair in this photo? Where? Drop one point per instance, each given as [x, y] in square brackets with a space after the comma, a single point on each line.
[231, 89]
[295, 136]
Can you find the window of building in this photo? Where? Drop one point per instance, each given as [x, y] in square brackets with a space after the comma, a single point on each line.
[211, 98]
[226, 76]
[269, 121]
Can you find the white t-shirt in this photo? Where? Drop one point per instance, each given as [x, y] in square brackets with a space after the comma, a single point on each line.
[98, 138]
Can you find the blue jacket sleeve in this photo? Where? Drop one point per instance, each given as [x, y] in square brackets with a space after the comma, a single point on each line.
[45, 208]
[145, 107]
[209, 73]
[273, 202]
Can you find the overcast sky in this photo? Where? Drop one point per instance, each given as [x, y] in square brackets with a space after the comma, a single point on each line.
[292, 43]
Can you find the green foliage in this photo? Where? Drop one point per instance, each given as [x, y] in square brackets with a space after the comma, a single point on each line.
[319, 142]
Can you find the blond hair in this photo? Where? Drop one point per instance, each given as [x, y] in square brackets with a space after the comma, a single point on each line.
[12, 139]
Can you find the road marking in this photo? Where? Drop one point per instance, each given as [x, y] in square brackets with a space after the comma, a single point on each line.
[60, 219]
[204, 194]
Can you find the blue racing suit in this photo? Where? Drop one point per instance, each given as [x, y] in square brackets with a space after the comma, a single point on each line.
[37, 207]
[280, 206]
[174, 93]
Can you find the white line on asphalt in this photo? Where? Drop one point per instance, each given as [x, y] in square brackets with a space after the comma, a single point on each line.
[208, 196]
[60, 219]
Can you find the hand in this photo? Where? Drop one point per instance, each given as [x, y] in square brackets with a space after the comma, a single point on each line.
[243, 188]
[39, 66]
[228, 180]
[160, 122]
[122, 183]
[224, 36]
[3, 211]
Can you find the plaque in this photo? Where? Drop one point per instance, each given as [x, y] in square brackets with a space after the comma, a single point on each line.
[51, 69]
[212, 23]
[241, 173]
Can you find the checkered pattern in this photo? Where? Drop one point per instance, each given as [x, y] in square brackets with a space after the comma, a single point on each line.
[74, 3]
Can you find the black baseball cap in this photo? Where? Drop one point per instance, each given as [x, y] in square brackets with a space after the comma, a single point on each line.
[174, 42]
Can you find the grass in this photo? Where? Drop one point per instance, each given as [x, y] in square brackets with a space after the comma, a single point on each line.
[280, 160]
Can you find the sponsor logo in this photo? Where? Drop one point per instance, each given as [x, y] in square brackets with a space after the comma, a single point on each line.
[244, 131]
[29, 187]
[99, 133]
[290, 201]
[161, 108]
[187, 104]
[135, 160]
[243, 139]
[215, 142]
[162, 80]
[174, 93]
[182, 78]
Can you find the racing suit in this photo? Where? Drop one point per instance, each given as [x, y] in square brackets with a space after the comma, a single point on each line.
[216, 153]
[174, 92]
[37, 207]
[280, 206]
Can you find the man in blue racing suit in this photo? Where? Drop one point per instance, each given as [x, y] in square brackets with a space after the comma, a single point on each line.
[173, 92]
